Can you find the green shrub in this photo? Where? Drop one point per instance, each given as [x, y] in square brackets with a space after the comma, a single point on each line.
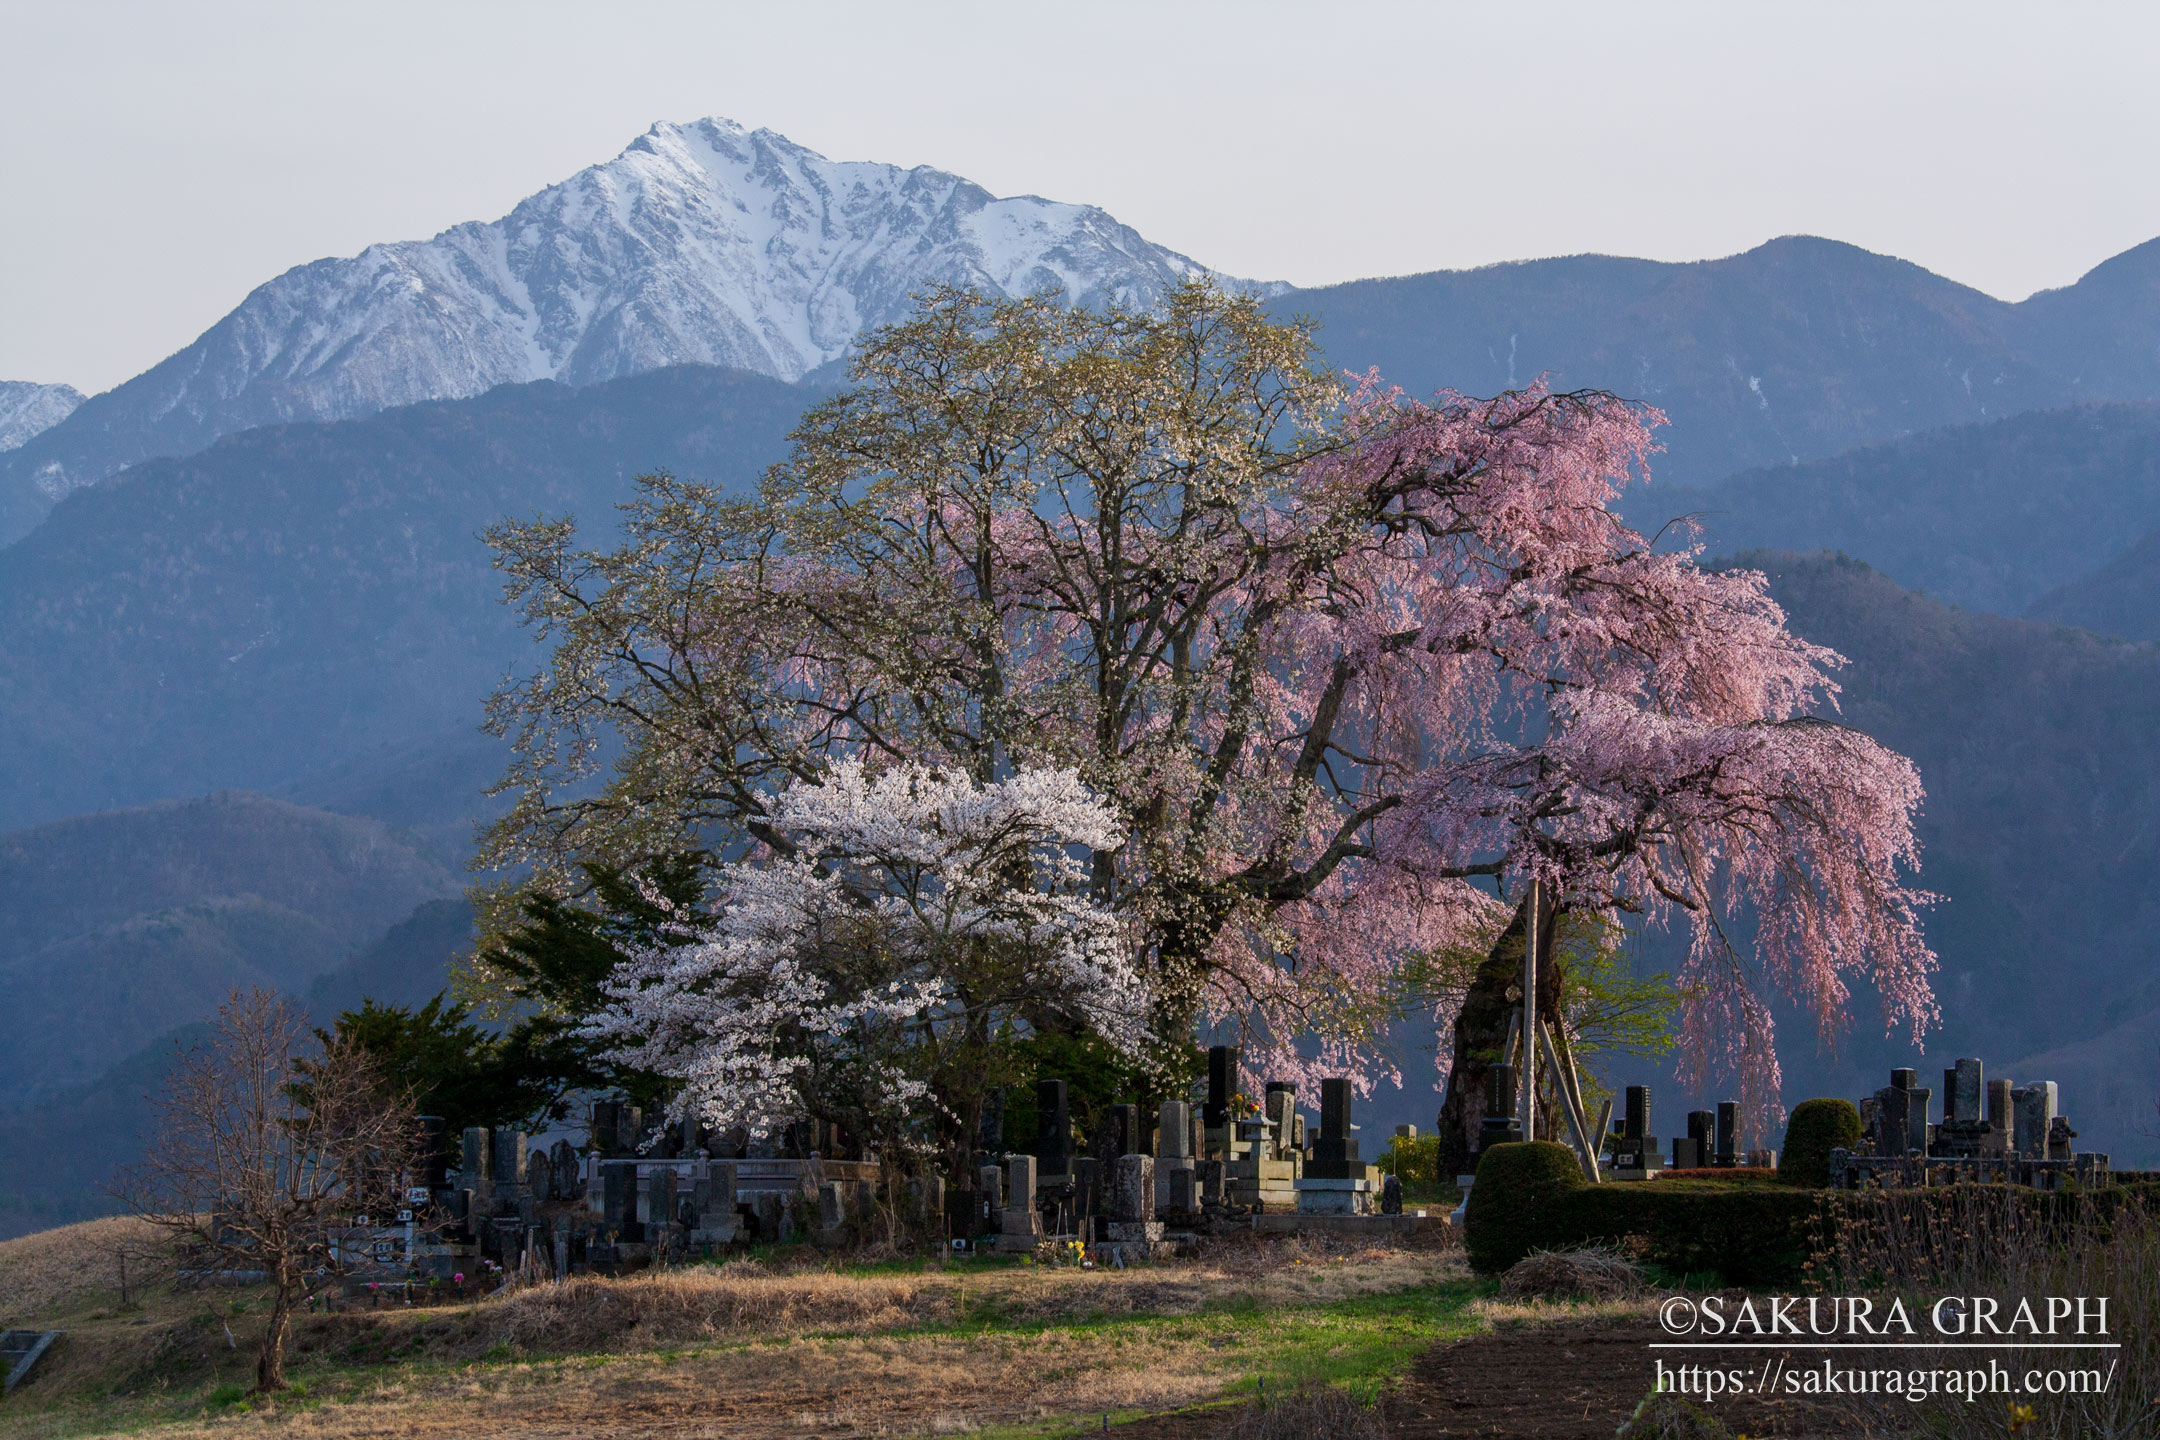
[1417, 1162]
[1515, 1205]
[1816, 1128]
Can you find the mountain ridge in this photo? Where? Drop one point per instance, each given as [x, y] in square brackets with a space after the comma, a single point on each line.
[699, 243]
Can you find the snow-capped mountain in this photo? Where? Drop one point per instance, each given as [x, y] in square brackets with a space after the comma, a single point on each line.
[26, 408]
[699, 243]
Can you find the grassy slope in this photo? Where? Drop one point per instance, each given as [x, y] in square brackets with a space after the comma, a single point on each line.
[990, 1345]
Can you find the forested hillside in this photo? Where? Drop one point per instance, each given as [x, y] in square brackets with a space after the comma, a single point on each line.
[299, 598]
[2040, 749]
[1986, 517]
[116, 927]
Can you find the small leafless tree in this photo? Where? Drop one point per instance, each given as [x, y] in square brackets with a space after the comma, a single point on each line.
[266, 1141]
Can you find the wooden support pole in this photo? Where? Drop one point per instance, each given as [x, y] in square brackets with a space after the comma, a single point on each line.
[1528, 1078]
[1571, 1107]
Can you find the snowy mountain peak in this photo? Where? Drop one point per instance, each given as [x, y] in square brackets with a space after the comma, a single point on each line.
[699, 243]
[27, 408]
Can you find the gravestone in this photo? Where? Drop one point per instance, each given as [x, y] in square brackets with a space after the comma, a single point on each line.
[1124, 1131]
[1053, 1128]
[1335, 1153]
[540, 1175]
[990, 1183]
[769, 1212]
[434, 1167]
[1635, 1148]
[477, 1161]
[832, 1206]
[1965, 1093]
[1702, 1132]
[1279, 1105]
[1173, 1132]
[1391, 1195]
[1173, 1155]
[2001, 1118]
[660, 1197]
[1728, 1133]
[1022, 1222]
[1087, 1187]
[2059, 1136]
[2033, 1107]
[926, 1201]
[563, 1160]
[509, 1159]
[1185, 1190]
[1222, 1083]
[603, 1123]
[1132, 1189]
[722, 1194]
[1211, 1178]
[1687, 1152]
[1501, 1124]
[1904, 1126]
[1406, 1132]
[618, 1198]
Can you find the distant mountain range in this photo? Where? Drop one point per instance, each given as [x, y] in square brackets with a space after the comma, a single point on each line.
[1794, 351]
[700, 243]
[121, 925]
[28, 409]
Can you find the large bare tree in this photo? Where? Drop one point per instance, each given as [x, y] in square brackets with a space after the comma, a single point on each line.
[265, 1141]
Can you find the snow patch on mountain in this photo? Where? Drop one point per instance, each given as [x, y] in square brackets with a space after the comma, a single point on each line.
[700, 243]
[28, 408]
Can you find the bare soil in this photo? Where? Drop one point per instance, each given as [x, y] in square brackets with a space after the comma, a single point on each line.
[1552, 1381]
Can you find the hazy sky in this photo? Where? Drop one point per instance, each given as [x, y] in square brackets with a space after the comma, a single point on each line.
[158, 160]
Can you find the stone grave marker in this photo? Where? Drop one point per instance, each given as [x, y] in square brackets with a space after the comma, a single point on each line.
[1053, 1128]
[563, 1160]
[2001, 1118]
[2033, 1107]
[1728, 1133]
[509, 1159]
[540, 1175]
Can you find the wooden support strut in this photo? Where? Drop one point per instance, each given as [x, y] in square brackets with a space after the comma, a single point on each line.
[1527, 1080]
[1571, 1106]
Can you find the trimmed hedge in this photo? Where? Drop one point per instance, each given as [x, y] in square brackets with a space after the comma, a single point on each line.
[1748, 1234]
[1767, 1236]
[1815, 1129]
[1516, 1205]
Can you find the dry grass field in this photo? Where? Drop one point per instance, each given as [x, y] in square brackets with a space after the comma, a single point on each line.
[787, 1345]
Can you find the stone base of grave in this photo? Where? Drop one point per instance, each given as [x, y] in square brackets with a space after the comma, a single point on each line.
[1325, 1195]
[1264, 1184]
[1365, 1226]
[716, 1230]
[1133, 1242]
[1021, 1232]
[1167, 1184]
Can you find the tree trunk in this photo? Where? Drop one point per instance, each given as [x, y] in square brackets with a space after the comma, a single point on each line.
[270, 1360]
[1481, 1029]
